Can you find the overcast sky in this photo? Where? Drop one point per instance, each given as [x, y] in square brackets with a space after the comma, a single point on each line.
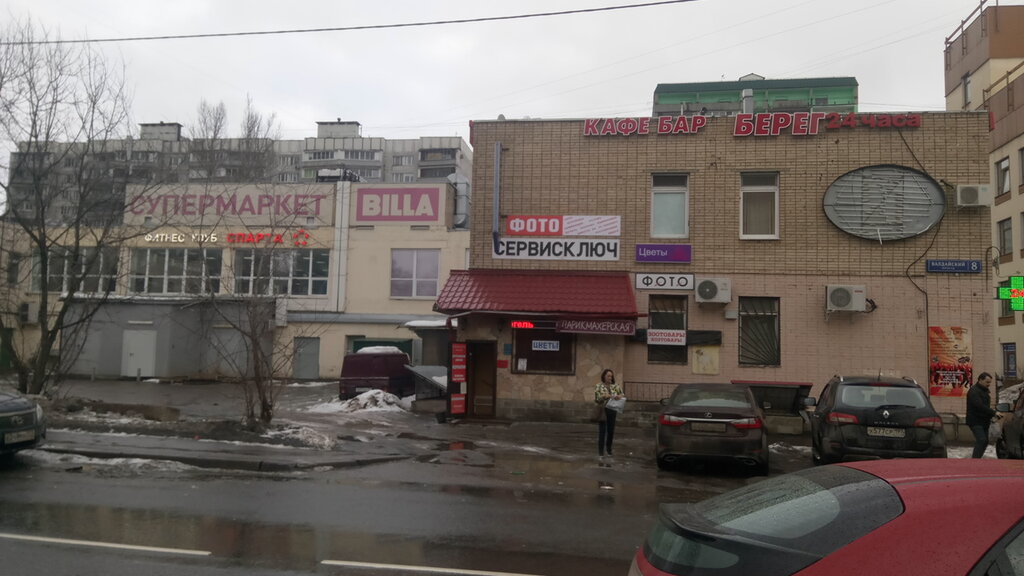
[432, 80]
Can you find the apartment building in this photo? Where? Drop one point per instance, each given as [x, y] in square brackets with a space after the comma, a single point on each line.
[984, 70]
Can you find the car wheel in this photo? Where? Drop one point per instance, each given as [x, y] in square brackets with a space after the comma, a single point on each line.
[816, 454]
[763, 467]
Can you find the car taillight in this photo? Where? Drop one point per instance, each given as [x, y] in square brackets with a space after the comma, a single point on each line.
[670, 420]
[932, 422]
[747, 423]
[841, 418]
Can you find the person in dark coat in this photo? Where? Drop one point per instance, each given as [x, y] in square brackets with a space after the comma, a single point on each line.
[980, 413]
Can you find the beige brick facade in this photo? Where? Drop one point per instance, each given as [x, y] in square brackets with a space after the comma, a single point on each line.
[549, 167]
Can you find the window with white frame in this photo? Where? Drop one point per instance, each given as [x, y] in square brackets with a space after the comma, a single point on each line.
[1004, 230]
[759, 332]
[759, 206]
[1003, 176]
[321, 155]
[402, 160]
[402, 178]
[414, 273]
[670, 206]
[367, 173]
[175, 270]
[298, 272]
[666, 312]
[288, 177]
[94, 270]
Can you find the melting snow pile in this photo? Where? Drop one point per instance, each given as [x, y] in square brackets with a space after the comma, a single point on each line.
[373, 400]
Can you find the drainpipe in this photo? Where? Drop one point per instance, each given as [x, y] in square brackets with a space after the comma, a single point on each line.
[342, 192]
[496, 209]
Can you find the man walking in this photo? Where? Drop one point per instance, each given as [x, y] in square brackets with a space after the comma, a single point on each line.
[980, 413]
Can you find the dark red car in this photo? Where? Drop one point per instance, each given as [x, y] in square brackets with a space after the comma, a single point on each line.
[883, 517]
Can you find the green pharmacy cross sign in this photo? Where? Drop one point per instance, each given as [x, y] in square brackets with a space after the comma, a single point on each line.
[1014, 292]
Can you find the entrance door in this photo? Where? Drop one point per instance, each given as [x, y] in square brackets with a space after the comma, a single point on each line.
[306, 364]
[138, 354]
[481, 379]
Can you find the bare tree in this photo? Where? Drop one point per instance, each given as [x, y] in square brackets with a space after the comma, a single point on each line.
[64, 113]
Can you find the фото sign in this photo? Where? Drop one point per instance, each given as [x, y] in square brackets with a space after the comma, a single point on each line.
[663, 281]
[564, 226]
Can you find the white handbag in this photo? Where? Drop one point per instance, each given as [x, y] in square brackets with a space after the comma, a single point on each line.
[617, 404]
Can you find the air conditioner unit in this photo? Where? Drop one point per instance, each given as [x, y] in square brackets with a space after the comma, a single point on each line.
[845, 298]
[713, 290]
[28, 313]
[973, 195]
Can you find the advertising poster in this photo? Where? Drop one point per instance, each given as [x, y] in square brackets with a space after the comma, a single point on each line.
[950, 366]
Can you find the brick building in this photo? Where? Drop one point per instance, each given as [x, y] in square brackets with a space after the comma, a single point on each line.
[777, 249]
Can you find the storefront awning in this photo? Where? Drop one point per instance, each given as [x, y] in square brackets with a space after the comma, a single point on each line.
[567, 294]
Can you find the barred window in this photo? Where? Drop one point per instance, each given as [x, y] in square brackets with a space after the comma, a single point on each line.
[91, 270]
[760, 333]
[296, 272]
[176, 270]
[667, 313]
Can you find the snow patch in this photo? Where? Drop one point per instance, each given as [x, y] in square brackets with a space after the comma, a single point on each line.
[370, 401]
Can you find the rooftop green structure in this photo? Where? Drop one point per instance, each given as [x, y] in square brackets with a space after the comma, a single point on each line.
[783, 95]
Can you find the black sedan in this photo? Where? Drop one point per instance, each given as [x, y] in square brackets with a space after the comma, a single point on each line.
[22, 424]
[712, 421]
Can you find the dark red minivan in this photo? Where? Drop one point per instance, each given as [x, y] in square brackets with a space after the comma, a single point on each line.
[376, 368]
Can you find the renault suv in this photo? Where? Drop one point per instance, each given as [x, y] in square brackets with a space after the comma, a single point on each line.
[874, 417]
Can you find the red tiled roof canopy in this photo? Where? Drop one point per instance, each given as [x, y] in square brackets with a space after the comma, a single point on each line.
[605, 294]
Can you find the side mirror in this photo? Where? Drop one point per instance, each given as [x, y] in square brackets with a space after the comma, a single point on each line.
[810, 401]
[1003, 407]
[663, 401]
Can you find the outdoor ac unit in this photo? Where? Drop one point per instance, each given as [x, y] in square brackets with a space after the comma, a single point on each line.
[713, 290]
[28, 313]
[845, 298]
[973, 195]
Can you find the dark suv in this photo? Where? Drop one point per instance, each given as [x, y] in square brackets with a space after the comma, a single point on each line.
[874, 417]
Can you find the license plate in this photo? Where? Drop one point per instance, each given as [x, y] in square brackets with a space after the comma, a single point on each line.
[886, 432]
[16, 437]
[707, 426]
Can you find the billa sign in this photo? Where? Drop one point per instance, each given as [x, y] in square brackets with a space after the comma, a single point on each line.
[397, 205]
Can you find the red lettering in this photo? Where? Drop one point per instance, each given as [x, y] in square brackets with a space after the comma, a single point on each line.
[265, 202]
[609, 128]
[698, 122]
[744, 125]
[278, 239]
[590, 126]
[627, 126]
[801, 121]
[816, 118]
[682, 125]
[913, 121]
[645, 126]
[664, 124]
[204, 203]
[884, 122]
[780, 121]
[762, 124]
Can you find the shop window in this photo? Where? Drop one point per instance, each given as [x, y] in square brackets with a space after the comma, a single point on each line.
[1004, 230]
[539, 350]
[667, 313]
[91, 270]
[1003, 176]
[759, 332]
[414, 273]
[759, 206]
[175, 270]
[670, 206]
[270, 271]
[1009, 359]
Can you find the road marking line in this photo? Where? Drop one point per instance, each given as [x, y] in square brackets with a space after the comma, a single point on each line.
[419, 568]
[105, 545]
